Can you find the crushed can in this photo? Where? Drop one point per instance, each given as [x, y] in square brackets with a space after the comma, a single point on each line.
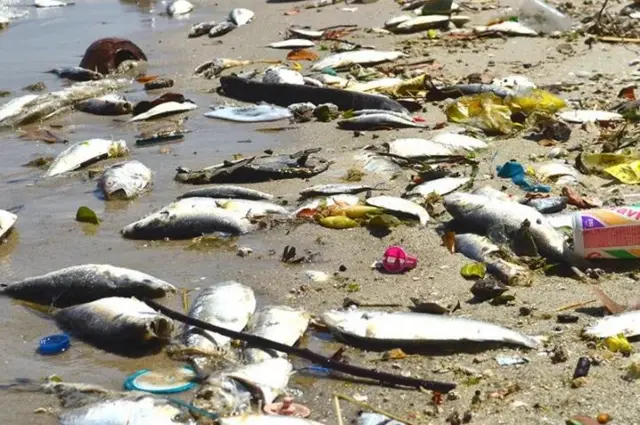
[607, 233]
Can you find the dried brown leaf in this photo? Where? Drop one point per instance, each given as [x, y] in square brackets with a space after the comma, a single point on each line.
[302, 55]
[449, 241]
[612, 306]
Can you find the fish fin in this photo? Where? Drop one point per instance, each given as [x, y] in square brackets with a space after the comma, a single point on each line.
[608, 303]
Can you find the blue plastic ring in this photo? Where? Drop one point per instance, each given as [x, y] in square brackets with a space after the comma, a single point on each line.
[130, 384]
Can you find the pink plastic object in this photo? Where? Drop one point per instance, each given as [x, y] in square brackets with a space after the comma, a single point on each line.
[396, 260]
[287, 408]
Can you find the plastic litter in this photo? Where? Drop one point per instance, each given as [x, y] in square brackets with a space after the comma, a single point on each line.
[54, 344]
[396, 260]
[287, 408]
[515, 171]
[540, 16]
[169, 381]
[485, 111]
[607, 233]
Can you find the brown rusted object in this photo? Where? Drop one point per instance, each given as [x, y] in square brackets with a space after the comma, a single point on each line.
[106, 54]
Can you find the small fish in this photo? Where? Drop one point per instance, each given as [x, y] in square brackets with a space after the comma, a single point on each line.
[200, 29]
[357, 57]
[7, 221]
[401, 329]
[50, 3]
[440, 186]
[188, 218]
[266, 420]
[234, 392]
[282, 324]
[222, 28]
[75, 73]
[110, 104]
[377, 121]
[549, 205]
[125, 180]
[257, 113]
[240, 16]
[369, 418]
[627, 324]
[226, 191]
[165, 109]
[342, 200]
[229, 305]
[583, 116]
[86, 283]
[292, 43]
[377, 164]
[416, 148]
[399, 205]
[481, 249]
[507, 28]
[306, 33]
[395, 21]
[334, 189]
[85, 153]
[422, 23]
[281, 75]
[120, 321]
[179, 7]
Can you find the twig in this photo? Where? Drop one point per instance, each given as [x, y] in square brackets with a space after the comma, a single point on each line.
[604, 5]
[263, 343]
[367, 406]
[575, 305]
[612, 39]
[336, 406]
[338, 26]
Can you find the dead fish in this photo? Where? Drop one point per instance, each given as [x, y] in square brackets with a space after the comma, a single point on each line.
[458, 90]
[334, 189]
[218, 30]
[165, 109]
[254, 419]
[110, 104]
[422, 23]
[292, 43]
[306, 33]
[399, 205]
[7, 221]
[75, 73]
[583, 116]
[282, 324]
[440, 186]
[377, 164]
[357, 57]
[14, 106]
[549, 205]
[248, 207]
[257, 113]
[488, 215]
[303, 164]
[370, 418]
[418, 329]
[459, 141]
[116, 321]
[341, 200]
[160, 83]
[229, 305]
[85, 153]
[125, 180]
[240, 16]
[627, 324]
[234, 392]
[50, 3]
[86, 283]
[376, 121]
[226, 191]
[416, 148]
[507, 28]
[188, 218]
[179, 7]
[395, 21]
[481, 249]
[490, 192]
[200, 29]
[281, 75]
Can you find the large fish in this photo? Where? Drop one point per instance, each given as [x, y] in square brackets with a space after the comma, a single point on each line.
[125, 180]
[627, 323]
[7, 221]
[488, 215]
[226, 191]
[282, 324]
[266, 420]
[356, 57]
[440, 186]
[228, 305]
[188, 218]
[116, 323]
[85, 283]
[233, 393]
[399, 205]
[418, 329]
[86, 153]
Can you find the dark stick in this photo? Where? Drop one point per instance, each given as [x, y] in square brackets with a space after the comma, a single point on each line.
[263, 343]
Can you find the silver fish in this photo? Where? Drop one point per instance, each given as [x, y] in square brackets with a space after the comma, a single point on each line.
[7, 221]
[76, 73]
[120, 321]
[14, 106]
[422, 23]
[164, 109]
[257, 113]
[231, 393]
[221, 29]
[125, 180]
[417, 148]
[481, 249]
[228, 305]
[507, 28]
[200, 29]
[248, 207]
[399, 205]
[282, 324]
[334, 189]
[627, 323]
[369, 418]
[292, 43]
[549, 205]
[440, 186]
[417, 329]
[179, 7]
[85, 283]
[226, 191]
[306, 33]
[280, 75]
[376, 121]
[487, 215]
[346, 200]
[356, 57]
[188, 218]
[377, 164]
[395, 21]
[85, 153]
[240, 16]
[50, 3]
[266, 420]
[110, 104]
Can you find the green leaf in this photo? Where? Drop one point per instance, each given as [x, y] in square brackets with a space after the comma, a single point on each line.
[87, 215]
[353, 287]
[472, 270]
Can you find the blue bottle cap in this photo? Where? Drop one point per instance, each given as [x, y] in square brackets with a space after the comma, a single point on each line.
[54, 344]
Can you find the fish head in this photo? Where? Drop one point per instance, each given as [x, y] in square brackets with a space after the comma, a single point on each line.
[161, 327]
[225, 397]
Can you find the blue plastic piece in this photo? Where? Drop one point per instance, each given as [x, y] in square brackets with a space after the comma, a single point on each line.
[130, 384]
[54, 344]
[515, 171]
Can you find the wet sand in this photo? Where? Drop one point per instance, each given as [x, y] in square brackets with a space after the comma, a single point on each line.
[47, 237]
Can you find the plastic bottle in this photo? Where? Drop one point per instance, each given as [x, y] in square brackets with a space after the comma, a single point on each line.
[607, 233]
[541, 17]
